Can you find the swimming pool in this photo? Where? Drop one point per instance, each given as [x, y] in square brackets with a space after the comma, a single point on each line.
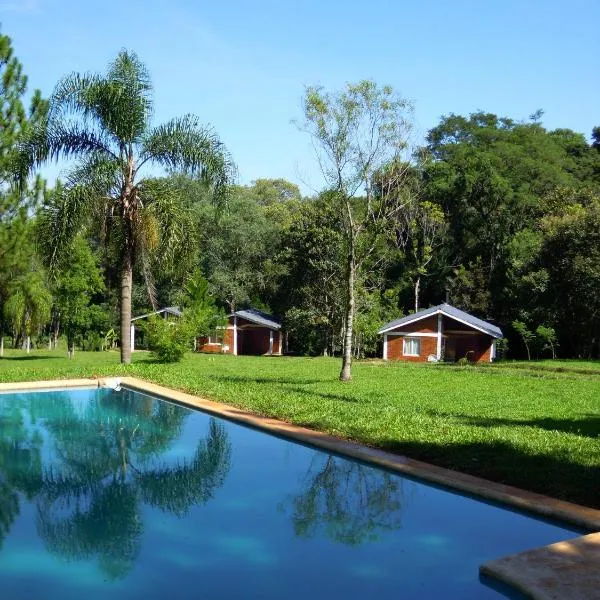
[116, 493]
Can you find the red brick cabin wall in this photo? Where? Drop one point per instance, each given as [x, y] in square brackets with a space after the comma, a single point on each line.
[254, 338]
[428, 325]
[395, 344]
[479, 346]
[276, 344]
[202, 344]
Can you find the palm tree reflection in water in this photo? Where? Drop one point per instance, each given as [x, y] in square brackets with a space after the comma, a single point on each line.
[108, 460]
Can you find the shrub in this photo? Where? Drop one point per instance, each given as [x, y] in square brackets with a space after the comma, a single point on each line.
[168, 340]
[94, 342]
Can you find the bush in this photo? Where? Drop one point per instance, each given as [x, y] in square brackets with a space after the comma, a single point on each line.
[41, 341]
[93, 342]
[168, 340]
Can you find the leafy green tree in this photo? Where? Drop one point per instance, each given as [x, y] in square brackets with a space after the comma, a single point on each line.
[501, 184]
[15, 118]
[77, 279]
[27, 307]
[269, 192]
[104, 123]
[199, 307]
[548, 336]
[421, 231]
[569, 257]
[525, 334]
[359, 135]
[15, 205]
[237, 247]
[310, 298]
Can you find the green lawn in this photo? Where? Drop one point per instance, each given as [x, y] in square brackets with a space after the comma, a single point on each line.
[536, 426]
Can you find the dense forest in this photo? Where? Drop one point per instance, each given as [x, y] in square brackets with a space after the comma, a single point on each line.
[497, 216]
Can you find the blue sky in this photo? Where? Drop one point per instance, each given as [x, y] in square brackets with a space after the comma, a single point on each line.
[242, 66]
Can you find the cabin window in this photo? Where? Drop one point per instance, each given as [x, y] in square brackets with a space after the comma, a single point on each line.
[214, 339]
[412, 347]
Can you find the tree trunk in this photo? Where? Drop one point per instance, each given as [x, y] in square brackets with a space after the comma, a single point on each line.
[126, 283]
[417, 291]
[56, 333]
[28, 338]
[1, 346]
[346, 372]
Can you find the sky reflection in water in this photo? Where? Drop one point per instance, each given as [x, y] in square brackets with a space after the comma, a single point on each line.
[117, 494]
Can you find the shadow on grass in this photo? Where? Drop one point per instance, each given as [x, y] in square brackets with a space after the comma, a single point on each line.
[551, 475]
[547, 369]
[324, 395]
[291, 385]
[585, 426]
[26, 358]
[267, 380]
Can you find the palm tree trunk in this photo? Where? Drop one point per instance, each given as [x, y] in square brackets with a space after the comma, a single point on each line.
[346, 372]
[126, 283]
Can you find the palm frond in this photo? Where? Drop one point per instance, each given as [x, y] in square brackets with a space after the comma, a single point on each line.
[132, 95]
[73, 94]
[63, 140]
[185, 144]
[120, 103]
[147, 239]
[101, 173]
[175, 222]
[149, 278]
[62, 218]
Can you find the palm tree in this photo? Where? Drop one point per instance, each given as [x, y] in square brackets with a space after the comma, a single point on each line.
[28, 305]
[104, 123]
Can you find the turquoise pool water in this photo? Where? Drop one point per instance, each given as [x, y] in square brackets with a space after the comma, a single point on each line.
[121, 495]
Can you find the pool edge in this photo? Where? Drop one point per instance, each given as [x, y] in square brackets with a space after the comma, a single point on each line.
[539, 504]
[54, 384]
[566, 569]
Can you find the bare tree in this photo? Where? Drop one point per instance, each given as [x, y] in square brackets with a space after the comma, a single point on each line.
[360, 136]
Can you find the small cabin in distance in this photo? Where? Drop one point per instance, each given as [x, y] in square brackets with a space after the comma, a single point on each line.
[248, 331]
[442, 332]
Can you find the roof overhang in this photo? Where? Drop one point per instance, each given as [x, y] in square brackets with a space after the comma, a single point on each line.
[439, 311]
[158, 312]
[260, 321]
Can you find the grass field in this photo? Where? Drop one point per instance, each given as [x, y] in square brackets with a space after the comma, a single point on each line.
[533, 425]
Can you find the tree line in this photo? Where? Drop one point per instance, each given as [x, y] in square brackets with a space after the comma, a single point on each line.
[497, 216]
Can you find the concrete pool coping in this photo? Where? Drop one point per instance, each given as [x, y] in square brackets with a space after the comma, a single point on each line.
[568, 569]
[576, 573]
